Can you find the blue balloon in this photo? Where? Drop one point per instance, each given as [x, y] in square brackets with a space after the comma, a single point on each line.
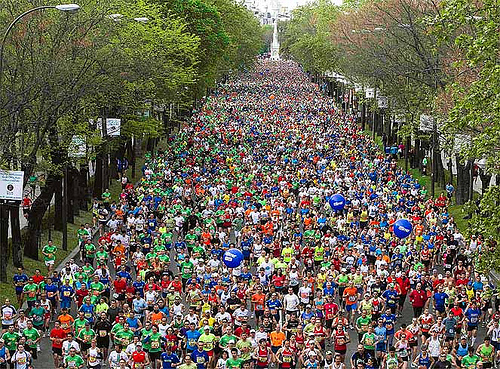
[232, 258]
[402, 228]
[337, 202]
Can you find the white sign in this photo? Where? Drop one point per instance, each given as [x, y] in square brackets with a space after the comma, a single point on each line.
[11, 185]
[77, 147]
[383, 102]
[370, 93]
[112, 126]
[426, 123]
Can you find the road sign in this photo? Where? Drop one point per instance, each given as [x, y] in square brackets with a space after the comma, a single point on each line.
[11, 185]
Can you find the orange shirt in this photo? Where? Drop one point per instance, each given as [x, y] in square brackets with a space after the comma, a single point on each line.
[351, 295]
[259, 299]
[277, 338]
[66, 322]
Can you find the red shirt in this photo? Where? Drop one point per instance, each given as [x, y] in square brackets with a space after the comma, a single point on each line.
[120, 285]
[60, 335]
[404, 285]
[139, 356]
[38, 278]
[418, 298]
[80, 295]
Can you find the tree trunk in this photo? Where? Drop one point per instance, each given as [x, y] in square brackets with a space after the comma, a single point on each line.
[4, 241]
[15, 226]
[98, 180]
[485, 180]
[58, 206]
[35, 217]
[72, 194]
[463, 181]
[83, 188]
[417, 159]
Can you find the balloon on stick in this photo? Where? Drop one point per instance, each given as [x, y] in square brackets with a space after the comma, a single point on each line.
[337, 202]
[232, 258]
[402, 228]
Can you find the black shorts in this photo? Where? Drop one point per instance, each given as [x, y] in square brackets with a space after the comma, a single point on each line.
[154, 356]
[341, 352]
[34, 353]
[6, 326]
[57, 351]
[103, 342]
[471, 328]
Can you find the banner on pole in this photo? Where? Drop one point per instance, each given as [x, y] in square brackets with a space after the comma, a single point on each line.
[11, 185]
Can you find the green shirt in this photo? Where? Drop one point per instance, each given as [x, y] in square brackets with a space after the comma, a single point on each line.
[154, 342]
[124, 337]
[30, 290]
[187, 269]
[369, 341]
[11, 340]
[469, 362]
[50, 251]
[225, 339]
[90, 250]
[73, 361]
[79, 324]
[234, 363]
[86, 335]
[31, 336]
[37, 316]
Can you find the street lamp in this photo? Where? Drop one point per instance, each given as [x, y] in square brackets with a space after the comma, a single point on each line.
[67, 8]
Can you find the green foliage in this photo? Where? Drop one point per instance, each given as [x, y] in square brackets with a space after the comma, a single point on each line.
[472, 29]
[230, 36]
[306, 38]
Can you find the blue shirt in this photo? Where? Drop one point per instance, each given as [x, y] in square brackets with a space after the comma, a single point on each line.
[200, 358]
[439, 299]
[64, 289]
[390, 297]
[167, 360]
[192, 338]
[473, 316]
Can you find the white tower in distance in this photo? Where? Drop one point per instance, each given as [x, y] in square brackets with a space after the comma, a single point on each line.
[275, 46]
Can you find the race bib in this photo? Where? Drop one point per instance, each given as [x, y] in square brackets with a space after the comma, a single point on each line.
[155, 344]
[103, 333]
[88, 315]
[352, 298]
[66, 294]
[287, 359]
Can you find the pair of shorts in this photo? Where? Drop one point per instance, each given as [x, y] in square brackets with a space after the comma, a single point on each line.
[352, 307]
[57, 351]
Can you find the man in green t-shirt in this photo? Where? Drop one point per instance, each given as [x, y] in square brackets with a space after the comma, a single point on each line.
[49, 255]
[234, 362]
[11, 338]
[30, 290]
[470, 360]
[73, 360]
[32, 338]
[37, 314]
[90, 251]
[186, 270]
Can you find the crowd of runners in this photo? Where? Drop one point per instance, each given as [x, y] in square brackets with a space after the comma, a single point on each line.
[253, 170]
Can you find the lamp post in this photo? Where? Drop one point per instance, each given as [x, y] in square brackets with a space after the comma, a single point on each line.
[67, 8]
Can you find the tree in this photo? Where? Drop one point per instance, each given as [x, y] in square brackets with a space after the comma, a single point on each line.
[306, 38]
